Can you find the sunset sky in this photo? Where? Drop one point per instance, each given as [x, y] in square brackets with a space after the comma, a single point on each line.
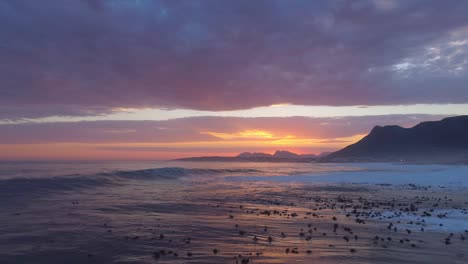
[149, 79]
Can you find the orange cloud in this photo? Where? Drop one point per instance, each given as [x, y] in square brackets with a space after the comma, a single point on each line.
[223, 136]
[312, 142]
[266, 138]
[229, 144]
[246, 134]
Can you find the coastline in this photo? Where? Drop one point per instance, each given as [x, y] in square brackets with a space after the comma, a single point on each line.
[139, 216]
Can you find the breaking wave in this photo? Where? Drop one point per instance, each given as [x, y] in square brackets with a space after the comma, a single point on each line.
[19, 186]
[43, 185]
[177, 172]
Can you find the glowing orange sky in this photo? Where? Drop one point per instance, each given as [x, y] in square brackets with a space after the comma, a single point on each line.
[185, 137]
[167, 79]
[227, 144]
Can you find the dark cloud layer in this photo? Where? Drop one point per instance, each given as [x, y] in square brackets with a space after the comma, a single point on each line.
[86, 57]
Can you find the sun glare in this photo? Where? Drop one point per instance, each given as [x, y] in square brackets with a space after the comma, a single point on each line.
[246, 134]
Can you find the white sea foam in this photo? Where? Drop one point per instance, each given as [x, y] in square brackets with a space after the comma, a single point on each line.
[380, 173]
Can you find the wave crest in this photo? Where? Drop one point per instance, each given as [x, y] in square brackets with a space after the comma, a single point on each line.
[44, 185]
[176, 172]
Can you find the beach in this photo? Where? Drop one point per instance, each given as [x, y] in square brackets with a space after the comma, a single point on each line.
[170, 212]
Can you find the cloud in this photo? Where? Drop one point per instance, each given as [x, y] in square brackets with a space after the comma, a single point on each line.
[89, 57]
[246, 134]
[200, 129]
[187, 136]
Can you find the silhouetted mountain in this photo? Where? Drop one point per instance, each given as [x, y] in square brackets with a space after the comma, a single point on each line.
[278, 156]
[254, 155]
[435, 141]
[283, 154]
[323, 154]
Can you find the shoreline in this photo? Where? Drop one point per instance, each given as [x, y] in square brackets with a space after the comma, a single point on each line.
[206, 218]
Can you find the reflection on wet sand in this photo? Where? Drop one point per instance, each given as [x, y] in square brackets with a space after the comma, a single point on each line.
[203, 219]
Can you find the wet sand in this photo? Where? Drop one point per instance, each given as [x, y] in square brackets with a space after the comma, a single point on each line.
[206, 220]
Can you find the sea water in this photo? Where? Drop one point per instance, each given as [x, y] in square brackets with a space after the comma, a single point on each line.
[133, 212]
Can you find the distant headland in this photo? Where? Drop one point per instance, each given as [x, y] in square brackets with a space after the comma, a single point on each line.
[444, 141]
[278, 156]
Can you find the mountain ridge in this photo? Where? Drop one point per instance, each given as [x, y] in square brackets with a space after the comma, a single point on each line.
[278, 156]
[445, 141]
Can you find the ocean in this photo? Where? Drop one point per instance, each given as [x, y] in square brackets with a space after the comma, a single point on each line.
[214, 212]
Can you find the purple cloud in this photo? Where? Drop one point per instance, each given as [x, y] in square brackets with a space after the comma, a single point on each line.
[87, 57]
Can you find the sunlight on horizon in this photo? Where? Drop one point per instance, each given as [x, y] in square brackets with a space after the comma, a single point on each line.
[158, 150]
